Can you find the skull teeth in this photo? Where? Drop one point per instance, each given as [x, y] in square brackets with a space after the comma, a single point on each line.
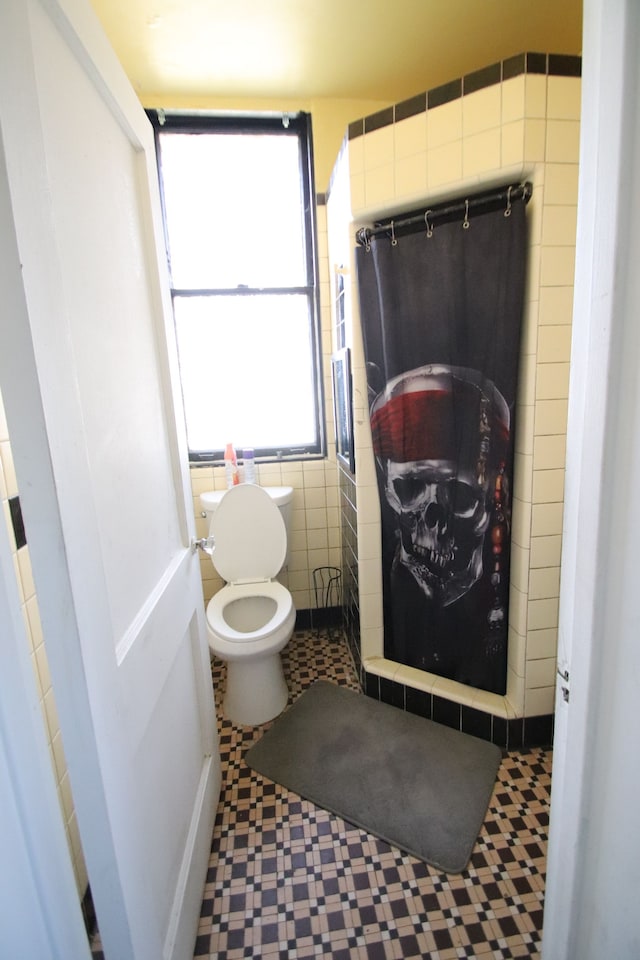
[432, 557]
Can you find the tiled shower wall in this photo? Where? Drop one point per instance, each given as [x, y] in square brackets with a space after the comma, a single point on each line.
[11, 509]
[316, 538]
[351, 592]
[516, 120]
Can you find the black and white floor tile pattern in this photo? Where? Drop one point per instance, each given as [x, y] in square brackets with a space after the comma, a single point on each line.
[290, 880]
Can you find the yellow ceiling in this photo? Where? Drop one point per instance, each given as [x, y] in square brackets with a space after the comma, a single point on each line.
[383, 50]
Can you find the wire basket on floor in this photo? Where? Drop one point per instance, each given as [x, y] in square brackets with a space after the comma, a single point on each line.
[327, 586]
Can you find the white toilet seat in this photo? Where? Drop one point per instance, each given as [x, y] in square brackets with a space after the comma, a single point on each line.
[250, 535]
[239, 591]
[250, 547]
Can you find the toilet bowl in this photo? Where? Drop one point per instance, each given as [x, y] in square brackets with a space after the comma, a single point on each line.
[251, 619]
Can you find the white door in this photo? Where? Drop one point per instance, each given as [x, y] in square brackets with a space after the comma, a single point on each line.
[593, 881]
[89, 385]
[39, 910]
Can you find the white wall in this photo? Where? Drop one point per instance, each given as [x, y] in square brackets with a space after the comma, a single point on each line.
[593, 886]
[38, 658]
[39, 907]
[39, 902]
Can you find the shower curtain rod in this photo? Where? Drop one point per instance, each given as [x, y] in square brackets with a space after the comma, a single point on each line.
[506, 195]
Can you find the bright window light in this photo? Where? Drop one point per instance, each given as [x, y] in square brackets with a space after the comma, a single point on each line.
[238, 220]
[267, 397]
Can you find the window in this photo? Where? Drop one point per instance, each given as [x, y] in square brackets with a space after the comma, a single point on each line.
[239, 221]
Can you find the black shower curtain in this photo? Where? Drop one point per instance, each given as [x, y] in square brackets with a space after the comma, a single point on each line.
[441, 318]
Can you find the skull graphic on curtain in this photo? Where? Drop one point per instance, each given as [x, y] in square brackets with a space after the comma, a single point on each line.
[441, 316]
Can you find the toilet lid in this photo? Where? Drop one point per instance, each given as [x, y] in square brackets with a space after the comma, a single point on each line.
[250, 535]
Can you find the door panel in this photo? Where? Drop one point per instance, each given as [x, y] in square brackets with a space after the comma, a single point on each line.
[100, 202]
[102, 468]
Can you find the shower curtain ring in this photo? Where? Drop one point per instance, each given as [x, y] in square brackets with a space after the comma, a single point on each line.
[394, 242]
[428, 225]
[465, 222]
[367, 241]
[507, 212]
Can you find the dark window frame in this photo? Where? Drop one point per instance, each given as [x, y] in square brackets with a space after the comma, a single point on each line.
[300, 124]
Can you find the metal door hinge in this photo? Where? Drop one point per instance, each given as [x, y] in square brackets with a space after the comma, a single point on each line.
[206, 544]
[564, 687]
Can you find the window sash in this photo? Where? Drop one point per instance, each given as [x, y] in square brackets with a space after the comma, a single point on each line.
[198, 361]
[265, 389]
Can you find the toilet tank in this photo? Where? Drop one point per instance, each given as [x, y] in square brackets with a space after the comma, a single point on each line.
[283, 497]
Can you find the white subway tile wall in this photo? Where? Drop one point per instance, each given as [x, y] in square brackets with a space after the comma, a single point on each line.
[444, 125]
[526, 127]
[410, 138]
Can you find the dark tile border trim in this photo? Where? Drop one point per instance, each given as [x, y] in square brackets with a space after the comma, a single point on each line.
[89, 913]
[444, 94]
[550, 64]
[519, 734]
[564, 66]
[356, 129]
[514, 66]
[536, 63]
[410, 108]
[17, 522]
[383, 118]
[479, 79]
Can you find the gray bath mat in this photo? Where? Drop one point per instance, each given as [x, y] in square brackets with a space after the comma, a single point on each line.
[420, 786]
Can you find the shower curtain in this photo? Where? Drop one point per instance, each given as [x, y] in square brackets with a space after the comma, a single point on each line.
[441, 313]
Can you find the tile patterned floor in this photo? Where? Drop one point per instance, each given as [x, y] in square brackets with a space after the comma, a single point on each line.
[290, 880]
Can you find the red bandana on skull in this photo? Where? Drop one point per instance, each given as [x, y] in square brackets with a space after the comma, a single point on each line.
[440, 434]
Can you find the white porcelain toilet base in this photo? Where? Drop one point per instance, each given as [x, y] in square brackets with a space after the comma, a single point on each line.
[256, 690]
[251, 619]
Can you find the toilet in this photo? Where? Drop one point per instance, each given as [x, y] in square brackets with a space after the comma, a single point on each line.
[251, 619]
